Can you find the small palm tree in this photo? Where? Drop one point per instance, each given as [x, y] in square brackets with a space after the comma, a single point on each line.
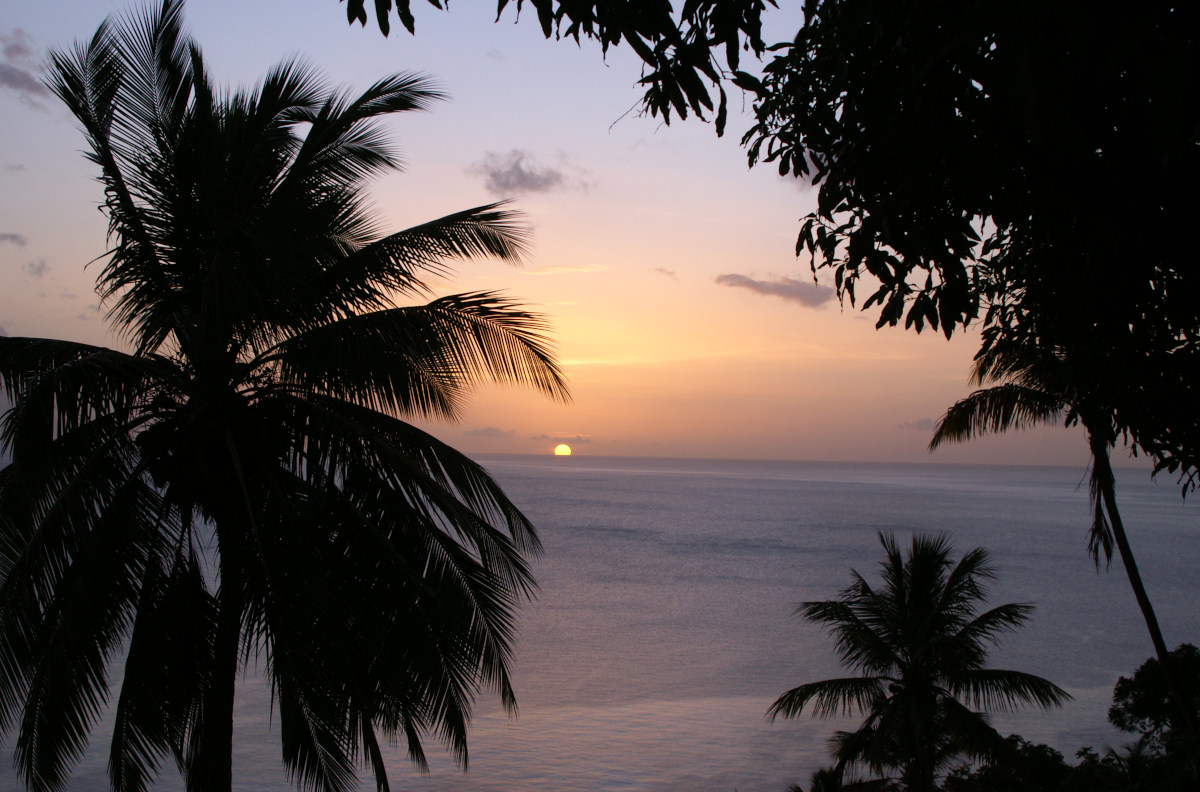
[242, 484]
[1029, 386]
[918, 647]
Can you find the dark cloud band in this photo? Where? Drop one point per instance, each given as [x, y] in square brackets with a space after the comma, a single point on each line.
[806, 293]
[16, 70]
[515, 173]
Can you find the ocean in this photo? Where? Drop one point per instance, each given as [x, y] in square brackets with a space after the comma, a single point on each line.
[664, 625]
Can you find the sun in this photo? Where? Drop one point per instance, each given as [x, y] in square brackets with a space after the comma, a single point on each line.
[562, 449]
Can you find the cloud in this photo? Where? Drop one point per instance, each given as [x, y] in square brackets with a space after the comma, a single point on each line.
[562, 437]
[920, 425]
[518, 173]
[17, 46]
[489, 431]
[37, 268]
[20, 240]
[20, 80]
[789, 289]
[17, 69]
[669, 273]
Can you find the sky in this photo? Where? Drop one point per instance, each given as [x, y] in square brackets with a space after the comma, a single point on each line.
[666, 267]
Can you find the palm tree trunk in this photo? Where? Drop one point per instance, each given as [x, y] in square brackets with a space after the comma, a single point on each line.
[1108, 491]
[212, 762]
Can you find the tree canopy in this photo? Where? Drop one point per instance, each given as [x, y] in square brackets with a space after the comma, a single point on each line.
[1142, 703]
[682, 53]
[1027, 166]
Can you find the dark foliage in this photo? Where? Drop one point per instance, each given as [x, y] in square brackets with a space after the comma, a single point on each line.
[1026, 164]
[1039, 768]
[243, 487]
[1142, 704]
[1020, 766]
[682, 54]
[1161, 759]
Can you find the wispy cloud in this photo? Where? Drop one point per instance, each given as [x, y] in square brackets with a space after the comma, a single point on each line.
[518, 172]
[805, 293]
[669, 273]
[919, 425]
[37, 268]
[490, 432]
[20, 240]
[563, 437]
[18, 67]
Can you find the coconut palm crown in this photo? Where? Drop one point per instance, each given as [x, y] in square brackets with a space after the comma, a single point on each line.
[241, 485]
[917, 645]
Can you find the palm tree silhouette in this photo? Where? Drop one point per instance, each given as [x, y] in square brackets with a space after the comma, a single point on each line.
[243, 486]
[1038, 385]
[918, 647]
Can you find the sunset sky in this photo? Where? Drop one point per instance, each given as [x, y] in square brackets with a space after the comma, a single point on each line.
[684, 321]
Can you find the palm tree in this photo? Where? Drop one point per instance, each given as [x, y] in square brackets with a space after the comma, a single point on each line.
[242, 484]
[1037, 385]
[917, 647]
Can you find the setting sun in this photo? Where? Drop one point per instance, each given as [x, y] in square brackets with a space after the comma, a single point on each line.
[562, 449]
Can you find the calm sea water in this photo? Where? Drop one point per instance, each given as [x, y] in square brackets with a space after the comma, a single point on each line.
[664, 625]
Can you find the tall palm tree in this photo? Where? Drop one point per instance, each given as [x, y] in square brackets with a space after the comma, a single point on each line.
[1029, 386]
[917, 645]
[242, 484]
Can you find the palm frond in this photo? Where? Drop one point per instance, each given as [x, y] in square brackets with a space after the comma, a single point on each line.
[343, 143]
[421, 361]
[831, 697]
[166, 671]
[966, 648]
[971, 733]
[998, 690]
[88, 80]
[81, 627]
[443, 484]
[58, 386]
[1101, 486]
[368, 277]
[854, 626]
[430, 517]
[996, 409]
[858, 748]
